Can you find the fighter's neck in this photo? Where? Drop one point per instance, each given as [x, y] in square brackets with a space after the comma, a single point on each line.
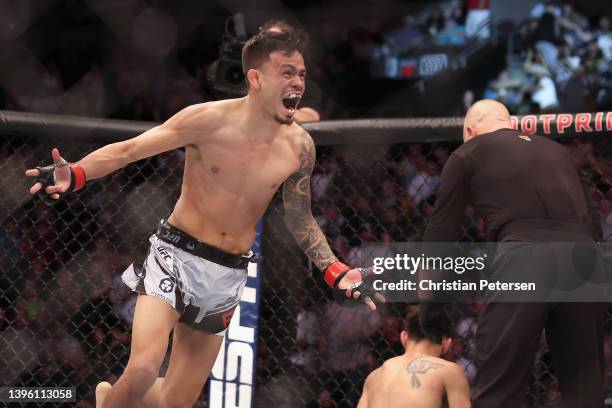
[256, 118]
[422, 348]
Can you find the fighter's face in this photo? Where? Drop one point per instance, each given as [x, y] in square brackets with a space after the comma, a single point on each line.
[282, 85]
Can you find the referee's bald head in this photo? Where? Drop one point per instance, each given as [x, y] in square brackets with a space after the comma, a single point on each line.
[485, 116]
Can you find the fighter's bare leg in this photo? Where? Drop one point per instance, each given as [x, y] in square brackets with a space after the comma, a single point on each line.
[153, 322]
[193, 356]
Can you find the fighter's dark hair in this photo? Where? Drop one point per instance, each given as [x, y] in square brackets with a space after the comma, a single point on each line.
[258, 48]
[436, 327]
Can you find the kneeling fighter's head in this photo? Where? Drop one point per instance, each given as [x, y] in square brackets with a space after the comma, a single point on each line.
[273, 64]
[436, 329]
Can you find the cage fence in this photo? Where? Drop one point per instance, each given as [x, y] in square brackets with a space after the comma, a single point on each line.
[65, 315]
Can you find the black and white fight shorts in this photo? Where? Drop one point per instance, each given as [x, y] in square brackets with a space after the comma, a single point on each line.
[203, 283]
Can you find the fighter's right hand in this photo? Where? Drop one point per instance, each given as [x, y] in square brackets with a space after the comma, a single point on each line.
[53, 181]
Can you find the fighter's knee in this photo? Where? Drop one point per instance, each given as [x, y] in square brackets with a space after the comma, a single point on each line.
[103, 387]
[102, 390]
[142, 370]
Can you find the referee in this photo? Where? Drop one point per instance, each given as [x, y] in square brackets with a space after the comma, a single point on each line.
[527, 189]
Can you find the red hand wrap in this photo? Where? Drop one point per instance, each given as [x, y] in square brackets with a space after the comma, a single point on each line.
[79, 176]
[333, 271]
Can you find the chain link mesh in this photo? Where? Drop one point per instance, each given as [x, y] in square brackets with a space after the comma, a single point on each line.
[65, 315]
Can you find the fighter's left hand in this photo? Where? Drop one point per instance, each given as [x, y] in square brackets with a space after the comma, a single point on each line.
[357, 284]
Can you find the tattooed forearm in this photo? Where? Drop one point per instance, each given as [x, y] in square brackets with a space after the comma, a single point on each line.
[309, 237]
[298, 214]
[419, 366]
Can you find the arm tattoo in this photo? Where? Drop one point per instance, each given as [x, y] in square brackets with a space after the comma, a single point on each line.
[298, 214]
[419, 366]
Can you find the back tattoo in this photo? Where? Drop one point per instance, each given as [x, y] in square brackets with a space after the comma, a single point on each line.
[419, 366]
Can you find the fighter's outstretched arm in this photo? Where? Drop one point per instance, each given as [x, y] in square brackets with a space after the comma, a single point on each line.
[178, 131]
[308, 234]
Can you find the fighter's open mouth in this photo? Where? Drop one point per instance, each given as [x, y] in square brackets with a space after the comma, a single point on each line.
[291, 101]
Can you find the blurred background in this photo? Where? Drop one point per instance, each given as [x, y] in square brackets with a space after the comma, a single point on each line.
[145, 60]
[65, 316]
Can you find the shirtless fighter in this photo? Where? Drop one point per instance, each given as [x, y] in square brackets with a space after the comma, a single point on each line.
[419, 378]
[238, 152]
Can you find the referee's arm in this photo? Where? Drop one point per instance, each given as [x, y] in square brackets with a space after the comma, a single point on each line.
[451, 201]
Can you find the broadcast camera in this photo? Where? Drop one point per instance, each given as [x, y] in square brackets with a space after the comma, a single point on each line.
[226, 72]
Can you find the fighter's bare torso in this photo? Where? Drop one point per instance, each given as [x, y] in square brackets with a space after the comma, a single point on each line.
[410, 381]
[231, 174]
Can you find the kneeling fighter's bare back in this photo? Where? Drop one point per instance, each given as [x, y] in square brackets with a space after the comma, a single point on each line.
[419, 378]
[238, 153]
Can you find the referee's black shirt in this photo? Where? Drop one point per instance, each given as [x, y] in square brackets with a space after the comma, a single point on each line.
[526, 187]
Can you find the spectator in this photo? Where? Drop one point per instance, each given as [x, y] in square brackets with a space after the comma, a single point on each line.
[466, 102]
[478, 19]
[331, 221]
[606, 219]
[406, 37]
[323, 400]
[567, 65]
[423, 185]
[342, 248]
[604, 37]
[322, 177]
[548, 27]
[544, 92]
[454, 29]
[346, 332]
[308, 334]
[435, 23]
[593, 58]
[575, 28]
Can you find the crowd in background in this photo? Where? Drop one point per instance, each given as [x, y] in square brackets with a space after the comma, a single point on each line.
[560, 61]
[77, 59]
[94, 68]
[65, 315]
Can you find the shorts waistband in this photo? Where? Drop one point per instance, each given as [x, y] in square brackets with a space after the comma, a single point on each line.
[172, 235]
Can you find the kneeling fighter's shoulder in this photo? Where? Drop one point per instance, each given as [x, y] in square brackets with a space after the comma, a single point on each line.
[452, 369]
[373, 376]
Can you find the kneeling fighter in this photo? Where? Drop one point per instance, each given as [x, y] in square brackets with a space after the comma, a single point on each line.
[238, 152]
[419, 377]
